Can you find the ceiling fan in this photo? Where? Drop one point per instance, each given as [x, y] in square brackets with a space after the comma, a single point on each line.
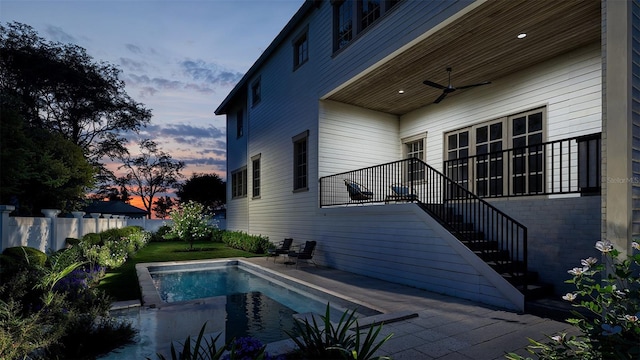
[450, 88]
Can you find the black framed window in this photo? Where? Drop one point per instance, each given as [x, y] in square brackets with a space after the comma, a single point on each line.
[301, 161]
[350, 17]
[255, 168]
[239, 183]
[301, 50]
[256, 92]
[239, 124]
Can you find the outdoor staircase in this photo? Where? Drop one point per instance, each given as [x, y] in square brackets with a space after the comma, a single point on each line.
[489, 250]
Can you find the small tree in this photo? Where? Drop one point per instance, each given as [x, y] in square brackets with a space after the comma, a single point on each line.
[190, 222]
[152, 172]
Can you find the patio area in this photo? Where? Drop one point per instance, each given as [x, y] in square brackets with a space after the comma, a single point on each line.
[444, 328]
[425, 325]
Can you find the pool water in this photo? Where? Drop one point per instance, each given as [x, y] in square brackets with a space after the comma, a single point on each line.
[232, 298]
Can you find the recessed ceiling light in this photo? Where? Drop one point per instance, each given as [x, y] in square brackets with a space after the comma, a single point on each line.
[522, 35]
[400, 91]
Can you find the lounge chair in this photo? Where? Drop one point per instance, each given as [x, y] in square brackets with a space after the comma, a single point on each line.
[282, 248]
[357, 192]
[305, 253]
[401, 193]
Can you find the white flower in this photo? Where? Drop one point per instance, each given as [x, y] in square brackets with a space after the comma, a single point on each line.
[558, 338]
[604, 246]
[576, 271]
[631, 318]
[635, 245]
[589, 262]
[569, 297]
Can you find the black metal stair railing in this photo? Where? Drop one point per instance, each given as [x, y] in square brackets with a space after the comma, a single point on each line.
[497, 238]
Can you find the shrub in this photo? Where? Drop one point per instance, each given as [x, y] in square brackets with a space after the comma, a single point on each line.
[26, 255]
[161, 234]
[329, 341]
[190, 222]
[92, 239]
[609, 292]
[72, 241]
[216, 234]
[256, 244]
[52, 312]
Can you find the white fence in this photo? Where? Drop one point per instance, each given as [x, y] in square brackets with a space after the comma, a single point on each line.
[48, 233]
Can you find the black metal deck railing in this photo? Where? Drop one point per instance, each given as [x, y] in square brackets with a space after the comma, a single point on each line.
[555, 167]
[481, 226]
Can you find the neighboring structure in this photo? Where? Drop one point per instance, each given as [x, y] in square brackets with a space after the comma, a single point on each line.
[115, 208]
[552, 145]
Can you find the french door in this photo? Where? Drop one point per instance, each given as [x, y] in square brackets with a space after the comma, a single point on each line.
[499, 157]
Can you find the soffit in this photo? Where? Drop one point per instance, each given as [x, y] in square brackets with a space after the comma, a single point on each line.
[479, 46]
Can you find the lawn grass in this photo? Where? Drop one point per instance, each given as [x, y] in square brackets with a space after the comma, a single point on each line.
[122, 283]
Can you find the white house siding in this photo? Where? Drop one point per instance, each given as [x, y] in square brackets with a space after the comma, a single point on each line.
[353, 138]
[569, 86]
[237, 209]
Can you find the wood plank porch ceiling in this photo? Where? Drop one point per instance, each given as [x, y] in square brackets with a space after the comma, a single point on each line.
[480, 46]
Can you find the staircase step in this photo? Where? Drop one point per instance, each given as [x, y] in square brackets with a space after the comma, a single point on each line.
[481, 244]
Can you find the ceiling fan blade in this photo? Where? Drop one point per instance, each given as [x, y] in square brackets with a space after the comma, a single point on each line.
[440, 98]
[474, 85]
[435, 85]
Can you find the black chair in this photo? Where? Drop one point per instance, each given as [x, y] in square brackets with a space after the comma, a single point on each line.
[357, 192]
[282, 248]
[305, 253]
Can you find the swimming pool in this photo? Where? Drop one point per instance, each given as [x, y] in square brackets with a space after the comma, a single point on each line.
[248, 300]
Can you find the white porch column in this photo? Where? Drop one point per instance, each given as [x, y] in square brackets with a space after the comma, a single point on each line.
[617, 125]
[4, 225]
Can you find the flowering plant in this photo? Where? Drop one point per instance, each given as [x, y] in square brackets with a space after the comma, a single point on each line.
[609, 294]
[190, 222]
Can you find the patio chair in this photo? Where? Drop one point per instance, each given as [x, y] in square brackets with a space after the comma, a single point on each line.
[357, 192]
[401, 193]
[282, 248]
[305, 253]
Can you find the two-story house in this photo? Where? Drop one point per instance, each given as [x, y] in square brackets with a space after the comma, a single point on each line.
[452, 145]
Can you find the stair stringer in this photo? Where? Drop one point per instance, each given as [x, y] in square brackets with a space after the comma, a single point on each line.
[506, 289]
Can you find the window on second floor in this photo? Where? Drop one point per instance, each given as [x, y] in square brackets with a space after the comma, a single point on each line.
[300, 162]
[239, 124]
[350, 17]
[239, 183]
[256, 92]
[300, 50]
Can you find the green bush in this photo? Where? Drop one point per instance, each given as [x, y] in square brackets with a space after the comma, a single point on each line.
[26, 255]
[92, 239]
[216, 234]
[72, 241]
[114, 246]
[256, 244]
[162, 234]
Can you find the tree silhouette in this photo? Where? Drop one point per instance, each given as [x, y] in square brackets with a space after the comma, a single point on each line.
[59, 87]
[163, 206]
[150, 173]
[206, 189]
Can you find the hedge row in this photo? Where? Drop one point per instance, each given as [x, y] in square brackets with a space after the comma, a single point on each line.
[256, 244]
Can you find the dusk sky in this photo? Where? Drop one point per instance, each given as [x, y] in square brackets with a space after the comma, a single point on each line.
[179, 58]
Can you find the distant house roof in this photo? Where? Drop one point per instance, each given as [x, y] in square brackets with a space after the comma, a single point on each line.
[115, 208]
